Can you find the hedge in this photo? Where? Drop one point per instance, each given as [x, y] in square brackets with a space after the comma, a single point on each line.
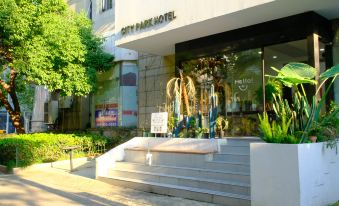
[47, 147]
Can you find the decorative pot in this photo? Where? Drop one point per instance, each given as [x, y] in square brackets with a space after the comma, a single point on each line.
[222, 133]
[313, 138]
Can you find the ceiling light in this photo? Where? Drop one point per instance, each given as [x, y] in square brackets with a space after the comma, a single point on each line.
[322, 49]
[274, 57]
[259, 52]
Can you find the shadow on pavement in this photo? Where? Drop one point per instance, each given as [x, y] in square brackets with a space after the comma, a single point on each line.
[85, 170]
[83, 198]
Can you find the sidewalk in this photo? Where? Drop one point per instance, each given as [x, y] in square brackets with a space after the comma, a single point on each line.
[56, 186]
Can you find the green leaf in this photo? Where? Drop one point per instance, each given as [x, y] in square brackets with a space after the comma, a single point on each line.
[298, 70]
[332, 72]
[296, 73]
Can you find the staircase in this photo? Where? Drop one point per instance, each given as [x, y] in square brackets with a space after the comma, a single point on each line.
[222, 178]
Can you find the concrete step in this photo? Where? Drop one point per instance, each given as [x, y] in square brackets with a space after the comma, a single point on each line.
[221, 198]
[167, 158]
[209, 184]
[187, 171]
[235, 149]
[186, 160]
[232, 157]
[227, 166]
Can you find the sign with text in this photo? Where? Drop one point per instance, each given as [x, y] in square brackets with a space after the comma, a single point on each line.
[166, 17]
[106, 116]
[243, 83]
[159, 122]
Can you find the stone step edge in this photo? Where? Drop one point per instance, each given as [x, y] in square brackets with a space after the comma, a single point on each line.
[233, 183]
[191, 189]
[226, 147]
[188, 168]
[235, 154]
[225, 162]
[229, 162]
[248, 138]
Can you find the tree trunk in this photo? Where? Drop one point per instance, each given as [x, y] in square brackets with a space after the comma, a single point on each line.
[17, 123]
[13, 111]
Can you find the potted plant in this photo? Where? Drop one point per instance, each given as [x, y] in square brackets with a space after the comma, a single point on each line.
[314, 131]
[170, 123]
[206, 133]
[199, 132]
[222, 124]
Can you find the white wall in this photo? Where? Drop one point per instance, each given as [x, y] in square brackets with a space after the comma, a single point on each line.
[318, 174]
[103, 21]
[120, 54]
[274, 175]
[79, 5]
[300, 174]
[104, 26]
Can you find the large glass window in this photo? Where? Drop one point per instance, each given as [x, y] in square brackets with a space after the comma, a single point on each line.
[277, 56]
[237, 80]
[336, 61]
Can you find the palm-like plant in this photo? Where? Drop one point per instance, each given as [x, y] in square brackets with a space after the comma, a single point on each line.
[181, 88]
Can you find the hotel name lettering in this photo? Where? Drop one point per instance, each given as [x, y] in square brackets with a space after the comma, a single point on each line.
[167, 17]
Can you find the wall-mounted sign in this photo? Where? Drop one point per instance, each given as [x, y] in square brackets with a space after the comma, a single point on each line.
[106, 115]
[159, 122]
[167, 17]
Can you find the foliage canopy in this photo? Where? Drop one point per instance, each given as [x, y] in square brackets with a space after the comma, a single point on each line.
[43, 42]
[48, 44]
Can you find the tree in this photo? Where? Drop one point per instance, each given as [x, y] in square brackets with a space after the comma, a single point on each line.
[43, 42]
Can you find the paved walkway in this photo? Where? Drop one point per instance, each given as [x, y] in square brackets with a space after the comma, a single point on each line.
[56, 186]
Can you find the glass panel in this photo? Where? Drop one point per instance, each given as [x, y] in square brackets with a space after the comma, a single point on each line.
[277, 56]
[237, 81]
[336, 60]
[105, 101]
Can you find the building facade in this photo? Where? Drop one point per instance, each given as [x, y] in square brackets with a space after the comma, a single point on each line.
[235, 43]
[115, 101]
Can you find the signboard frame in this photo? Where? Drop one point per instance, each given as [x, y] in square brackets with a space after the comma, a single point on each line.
[159, 122]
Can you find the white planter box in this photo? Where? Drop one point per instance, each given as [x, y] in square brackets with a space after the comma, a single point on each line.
[288, 175]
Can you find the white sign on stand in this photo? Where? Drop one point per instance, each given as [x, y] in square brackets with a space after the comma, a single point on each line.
[159, 122]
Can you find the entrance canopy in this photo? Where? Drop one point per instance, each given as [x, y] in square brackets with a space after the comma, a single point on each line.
[193, 19]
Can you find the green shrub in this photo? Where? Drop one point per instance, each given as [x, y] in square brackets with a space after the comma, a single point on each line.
[115, 135]
[47, 147]
[277, 131]
[334, 204]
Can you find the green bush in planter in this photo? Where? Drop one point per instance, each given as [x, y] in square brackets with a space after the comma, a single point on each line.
[306, 116]
[277, 131]
[44, 147]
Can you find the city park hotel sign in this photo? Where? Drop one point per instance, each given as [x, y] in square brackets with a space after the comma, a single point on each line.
[166, 17]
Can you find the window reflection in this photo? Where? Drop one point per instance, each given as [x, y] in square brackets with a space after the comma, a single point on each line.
[237, 79]
[278, 56]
